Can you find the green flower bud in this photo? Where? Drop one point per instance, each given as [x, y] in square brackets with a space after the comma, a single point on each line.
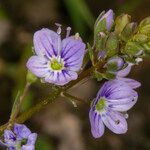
[121, 22]
[144, 22]
[128, 31]
[31, 78]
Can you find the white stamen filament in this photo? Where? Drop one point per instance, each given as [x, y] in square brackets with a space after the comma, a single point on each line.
[68, 31]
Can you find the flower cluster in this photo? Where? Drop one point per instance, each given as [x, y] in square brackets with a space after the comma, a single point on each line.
[114, 51]
[20, 138]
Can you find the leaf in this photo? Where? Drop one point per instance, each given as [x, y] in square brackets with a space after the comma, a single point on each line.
[15, 104]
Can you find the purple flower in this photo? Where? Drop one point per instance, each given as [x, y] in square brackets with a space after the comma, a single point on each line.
[109, 108]
[117, 61]
[122, 71]
[20, 138]
[109, 16]
[56, 61]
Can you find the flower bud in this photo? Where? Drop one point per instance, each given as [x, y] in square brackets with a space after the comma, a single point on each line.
[144, 26]
[104, 21]
[31, 78]
[112, 44]
[128, 31]
[115, 63]
[121, 22]
[133, 49]
[141, 38]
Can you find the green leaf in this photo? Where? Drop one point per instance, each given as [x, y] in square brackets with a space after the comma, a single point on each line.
[80, 14]
[128, 31]
[15, 104]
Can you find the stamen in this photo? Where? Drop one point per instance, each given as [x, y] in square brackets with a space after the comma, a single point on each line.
[77, 36]
[59, 28]
[68, 31]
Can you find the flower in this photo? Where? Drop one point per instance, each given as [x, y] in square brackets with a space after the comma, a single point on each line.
[109, 16]
[109, 108]
[56, 61]
[20, 138]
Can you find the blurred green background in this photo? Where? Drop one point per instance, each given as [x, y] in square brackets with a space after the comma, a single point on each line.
[61, 126]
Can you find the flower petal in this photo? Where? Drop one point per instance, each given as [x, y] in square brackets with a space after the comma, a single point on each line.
[115, 121]
[32, 139]
[97, 126]
[115, 89]
[61, 77]
[38, 66]
[132, 83]
[109, 15]
[21, 131]
[124, 104]
[46, 43]
[72, 52]
[28, 147]
[124, 72]
[9, 138]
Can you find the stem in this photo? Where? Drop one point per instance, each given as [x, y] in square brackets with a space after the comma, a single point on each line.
[74, 97]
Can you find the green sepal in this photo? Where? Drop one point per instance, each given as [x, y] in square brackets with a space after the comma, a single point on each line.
[91, 53]
[121, 21]
[128, 31]
[112, 66]
[146, 47]
[101, 26]
[140, 38]
[112, 44]
[144, 22]
[109, 75]
[101, 41]
[132, 49]
[98, 75]
[145, 30]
